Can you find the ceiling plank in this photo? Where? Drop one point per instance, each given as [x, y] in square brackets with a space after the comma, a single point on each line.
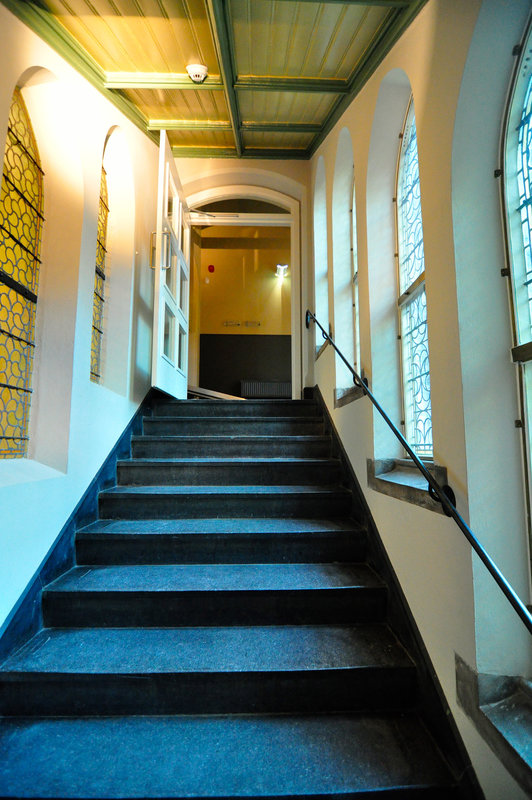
[158, 80]
[204, 152]
[222, 42]
[188, 125]
[267, 84]
[397, 23]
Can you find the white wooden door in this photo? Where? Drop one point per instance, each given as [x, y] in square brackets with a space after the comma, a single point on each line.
[170, 262]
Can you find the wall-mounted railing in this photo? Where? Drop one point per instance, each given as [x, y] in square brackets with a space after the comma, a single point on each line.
[442, 494]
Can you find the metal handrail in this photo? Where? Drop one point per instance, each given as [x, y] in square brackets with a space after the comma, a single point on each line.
[443, 494]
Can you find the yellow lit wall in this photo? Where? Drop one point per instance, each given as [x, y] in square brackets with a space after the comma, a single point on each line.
[243, 287]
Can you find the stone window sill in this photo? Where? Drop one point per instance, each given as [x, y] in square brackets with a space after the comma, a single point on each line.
[401, 479]
[343, 397]
[500, 707]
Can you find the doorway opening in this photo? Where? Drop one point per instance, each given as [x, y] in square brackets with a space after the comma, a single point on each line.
[242, 298]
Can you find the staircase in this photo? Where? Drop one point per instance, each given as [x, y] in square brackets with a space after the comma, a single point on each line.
[221, 635]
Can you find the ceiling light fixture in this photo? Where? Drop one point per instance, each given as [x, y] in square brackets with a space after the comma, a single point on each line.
[197, 72]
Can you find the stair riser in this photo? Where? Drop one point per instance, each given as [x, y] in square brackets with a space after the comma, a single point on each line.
[154, 506]
[174, 426]
[362, 689]
[149, 447]
[231, 474]
[203, 608]
[208, 549]
[249, 408]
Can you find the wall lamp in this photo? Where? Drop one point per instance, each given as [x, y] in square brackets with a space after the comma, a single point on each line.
[281, 271]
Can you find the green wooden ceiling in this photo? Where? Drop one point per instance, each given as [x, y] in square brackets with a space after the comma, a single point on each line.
[281, 72]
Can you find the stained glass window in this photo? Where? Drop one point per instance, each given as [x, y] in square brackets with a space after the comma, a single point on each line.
[99, 281]
[21, 218]
[524, 186]
[412, 300]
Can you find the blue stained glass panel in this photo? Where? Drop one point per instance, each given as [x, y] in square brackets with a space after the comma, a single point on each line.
[418, 416]
[409, 223]
[524, 183]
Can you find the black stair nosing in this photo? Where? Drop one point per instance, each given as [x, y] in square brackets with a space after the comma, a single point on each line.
[365, 689]
[278, 756]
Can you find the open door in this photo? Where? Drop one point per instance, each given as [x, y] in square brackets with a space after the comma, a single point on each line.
[170, 262]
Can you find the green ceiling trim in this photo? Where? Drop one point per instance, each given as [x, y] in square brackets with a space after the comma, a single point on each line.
[158, 80]
[280, 153]
[222, 41]
[269, 84]
[397, 23]
[386, 3]
[280, 127]
[46, 26]
[188, 125]
[204, 152]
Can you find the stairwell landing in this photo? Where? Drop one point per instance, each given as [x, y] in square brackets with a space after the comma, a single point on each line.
[222, 634]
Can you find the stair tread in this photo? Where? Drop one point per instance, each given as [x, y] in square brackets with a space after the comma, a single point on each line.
[228, 489]
[215, 577]
[224, 462]
[218, 649]
[232, 437]
[275, 526]
[218, 757]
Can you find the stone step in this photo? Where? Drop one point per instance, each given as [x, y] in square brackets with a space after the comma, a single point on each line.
[228, 472]
[226, 541]
[265, 757]
[180, 502]
[235, 408]
[227, 446]
[248, 426]
[208, 671]
[214, 595]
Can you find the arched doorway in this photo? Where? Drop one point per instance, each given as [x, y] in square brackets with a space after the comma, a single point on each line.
[267, 222]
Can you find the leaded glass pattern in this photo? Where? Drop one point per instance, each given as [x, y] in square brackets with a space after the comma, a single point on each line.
[409, 222]
[524, 184]
[99, 281]
[418, 420]
[412, 300]
[21, 218]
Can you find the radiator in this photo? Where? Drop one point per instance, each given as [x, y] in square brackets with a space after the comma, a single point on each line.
[257, 389]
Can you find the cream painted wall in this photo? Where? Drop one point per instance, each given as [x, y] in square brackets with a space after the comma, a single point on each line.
[243, 287]
[433, 562]
[74, 422]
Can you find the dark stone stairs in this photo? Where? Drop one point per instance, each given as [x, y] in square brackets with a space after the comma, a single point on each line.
[222, 634]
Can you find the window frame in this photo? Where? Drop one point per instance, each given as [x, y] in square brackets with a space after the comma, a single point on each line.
[407, 294]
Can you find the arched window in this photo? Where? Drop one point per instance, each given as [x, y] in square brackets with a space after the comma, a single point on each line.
[321, 277]
[518, 205]
[21, 219]
[99, 281]
[412, 301]
[345, 270]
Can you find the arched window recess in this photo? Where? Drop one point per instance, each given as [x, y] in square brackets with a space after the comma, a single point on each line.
[21, 220]
[412, 303]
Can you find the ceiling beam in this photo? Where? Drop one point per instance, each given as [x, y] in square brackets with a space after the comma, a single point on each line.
[385, 3]
[204, 152]
[267, 84]
[280, 127]
[158, 80]
[188, 125]
[220, 30]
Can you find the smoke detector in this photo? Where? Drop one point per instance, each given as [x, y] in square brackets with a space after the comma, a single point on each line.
[197, 72]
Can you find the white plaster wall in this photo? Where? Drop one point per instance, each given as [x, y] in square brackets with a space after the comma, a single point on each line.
[431, 558]
[74, 422]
